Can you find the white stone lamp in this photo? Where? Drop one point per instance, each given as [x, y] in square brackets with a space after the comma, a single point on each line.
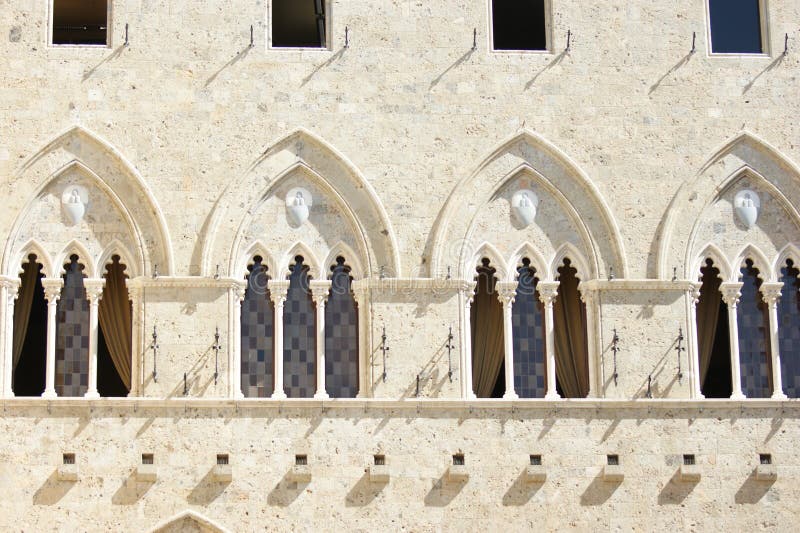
[458, 473]
[690, 470]
[379, 470]
[222, 472]
[68, 469]
[766, 471]
[613, 471]
[147, 471]
[535, 471]
[301, 470]
[74, 201]
[524, 205]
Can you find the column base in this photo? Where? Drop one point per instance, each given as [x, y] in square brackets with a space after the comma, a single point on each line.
[321, 396]
[779, 396]
[510, 395]
[738, 396]
[238, 395]
[278, 395]
[49, 394]
[552, 396]
[471, 396]
[92, 395]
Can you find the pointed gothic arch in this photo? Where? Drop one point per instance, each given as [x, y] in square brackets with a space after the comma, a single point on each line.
[173, 524]
[305, 159]
[82, 157]
[566, 191]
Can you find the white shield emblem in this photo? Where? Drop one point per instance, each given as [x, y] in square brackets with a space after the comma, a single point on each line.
[747, 204]
[524, 205]
[74, 200]
[298, 202]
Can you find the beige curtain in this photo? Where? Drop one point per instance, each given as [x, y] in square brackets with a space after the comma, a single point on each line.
[486, 318]
[22, 308]
[572, 353]
[707, 318]
[114, 316]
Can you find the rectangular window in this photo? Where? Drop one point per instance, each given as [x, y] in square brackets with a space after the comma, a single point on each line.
[80, 22]
[298, 24]
[519, 25]
[736, 26]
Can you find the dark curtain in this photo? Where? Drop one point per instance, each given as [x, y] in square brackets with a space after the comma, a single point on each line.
[707, 316]
[571, 342]
[114, 316]
[486, 317]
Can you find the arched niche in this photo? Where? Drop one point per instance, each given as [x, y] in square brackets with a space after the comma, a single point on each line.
[702, 211]
[120, 214]
[570, 211]
[346, 208]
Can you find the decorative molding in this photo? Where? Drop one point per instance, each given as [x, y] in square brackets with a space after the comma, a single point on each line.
[435, 285]
[637, 285]
[188, 282]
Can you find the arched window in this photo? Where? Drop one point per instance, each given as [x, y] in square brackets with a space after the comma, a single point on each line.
[486, 318]
[114, 333]
[527, 318]
[571, 342]
[713, 337]
[754, 355]
[299, 334]
[258, 320]
[341, 335]
[72, 334]
[789, 329]
[30, 332]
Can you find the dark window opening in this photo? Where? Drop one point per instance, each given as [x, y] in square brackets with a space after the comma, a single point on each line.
[380, 460]
[114, 337]
[536, 460]
[299, 335]
[689, 459]
[298, 24]
[713, 336]
[612, 460]
[458, 459]
[789, 330]
[341, 334]
[80, 22]
[765, 459]
[301, 460]
[109, 384]
[735, 26]
[488, 354]
[571, 336]
[258, 325]
[755, 357]
[223, 459]
[148, 459]
[519, 25]
[30, 337]
[68, 458]
[527, 325]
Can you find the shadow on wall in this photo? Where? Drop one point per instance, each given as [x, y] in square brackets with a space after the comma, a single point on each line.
[443, 491]
[520, 492]
[285, 491]
[676, 491]
[599, 491]
[53, 489]
[131, 490]
[208, 490]
[752, 491]
[364, 492]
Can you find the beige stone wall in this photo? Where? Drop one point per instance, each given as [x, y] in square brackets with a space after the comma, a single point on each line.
[418, 441]
[411, 143]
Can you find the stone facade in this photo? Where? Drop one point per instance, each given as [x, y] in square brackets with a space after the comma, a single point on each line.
[188, 142]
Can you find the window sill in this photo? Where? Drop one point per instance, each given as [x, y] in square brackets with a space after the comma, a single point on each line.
[760, 55]
[73, 46]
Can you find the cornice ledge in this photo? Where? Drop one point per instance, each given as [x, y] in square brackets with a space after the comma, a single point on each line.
[638, 285]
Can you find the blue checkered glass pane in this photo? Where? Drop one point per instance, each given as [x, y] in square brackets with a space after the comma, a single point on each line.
[527, 322]
[258, 320]
[341, 336]
[72, 334]
[299, 336]
[754, 354]
[789, 331]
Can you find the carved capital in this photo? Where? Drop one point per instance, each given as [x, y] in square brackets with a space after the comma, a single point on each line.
[548, 291]
[239, 288]
[320, 291]
[278, 291]
[771, 292]
[94, 289]
[731, 293]
[694, 293]
[52, 289]
[507, 291]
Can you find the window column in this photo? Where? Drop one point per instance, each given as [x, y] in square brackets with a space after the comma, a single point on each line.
[693, 298]
[94, 292]
[466, 293]
[771, 293]
[319, 292]
[236, 297]
[507, 291]
[360, 295]
[731, 292]
[9, 290]
[277, 292]
[52, 293]
[548, 291]
[135, 294]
